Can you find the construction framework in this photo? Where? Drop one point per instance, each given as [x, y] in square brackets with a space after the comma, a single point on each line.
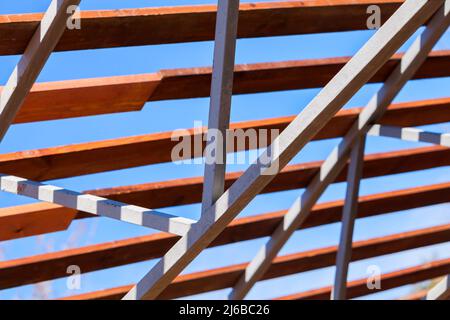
[224, 195]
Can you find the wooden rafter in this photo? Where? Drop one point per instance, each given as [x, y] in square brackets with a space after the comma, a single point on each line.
[25, 219]
[84, 97]
[411, 61]
[194, 23]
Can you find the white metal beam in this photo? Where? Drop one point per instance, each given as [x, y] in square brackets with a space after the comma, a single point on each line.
[441, 291]
[299, 211]
[33, 60]
[349, 213]
[96, 205]
[320, 110]
[410, 134]
[220, 102]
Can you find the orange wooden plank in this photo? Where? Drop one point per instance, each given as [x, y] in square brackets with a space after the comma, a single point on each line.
[100, 256]
[147, 26]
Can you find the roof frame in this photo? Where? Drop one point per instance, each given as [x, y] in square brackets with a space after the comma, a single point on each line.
[220, 207]
[303, 128]
[299, 211]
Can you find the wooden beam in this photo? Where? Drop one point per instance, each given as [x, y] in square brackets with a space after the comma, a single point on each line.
[106, 255]
[37, 51]
[302, 129]
[410, 134]
[92, 157]
[300, 209]
[96, 205]
[31, 219]
[112, 28]
[389, 280]
[220, 101]
[85, 97]
[348, 219]
[221, 278]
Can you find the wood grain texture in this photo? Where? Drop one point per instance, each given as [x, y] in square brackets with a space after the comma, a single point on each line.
[99, 156]
[106, 255]
[221, 278]
[85, 97]
[147, 26]
[389, 280]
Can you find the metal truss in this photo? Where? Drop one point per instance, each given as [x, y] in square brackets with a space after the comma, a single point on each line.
[219, 206]
[335, 162]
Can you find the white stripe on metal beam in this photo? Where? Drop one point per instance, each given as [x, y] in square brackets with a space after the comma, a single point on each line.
[96, 205]
[410, 134]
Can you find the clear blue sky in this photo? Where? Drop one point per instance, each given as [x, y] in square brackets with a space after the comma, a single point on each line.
[182, 114]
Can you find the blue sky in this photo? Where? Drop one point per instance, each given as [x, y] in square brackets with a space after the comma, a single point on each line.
[182, 114]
